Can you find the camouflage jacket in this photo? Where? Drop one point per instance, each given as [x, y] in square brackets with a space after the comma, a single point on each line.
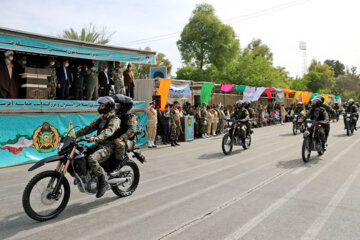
[105, 126]
[128, 126]
[240, 114]
[319, 114]
[174, 116]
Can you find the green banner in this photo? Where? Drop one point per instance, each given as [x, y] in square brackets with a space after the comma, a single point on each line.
[206, 92]
[240, 88]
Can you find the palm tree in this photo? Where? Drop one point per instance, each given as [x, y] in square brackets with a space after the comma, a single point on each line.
[88, 34]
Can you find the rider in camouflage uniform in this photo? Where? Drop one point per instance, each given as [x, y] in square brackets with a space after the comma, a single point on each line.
[175, 124]
[241, 113]
[52, 79]
[105, 126]
[124, 137]
[330, 111]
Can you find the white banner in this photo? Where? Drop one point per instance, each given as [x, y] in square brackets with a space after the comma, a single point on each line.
[249, 93]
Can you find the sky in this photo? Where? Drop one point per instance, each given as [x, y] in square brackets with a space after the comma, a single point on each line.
[330, 28]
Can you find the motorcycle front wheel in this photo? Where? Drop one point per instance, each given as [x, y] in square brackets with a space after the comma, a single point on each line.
[347, 129]
[131, 171]
[247, 142]
[36, 199]
[306, 150]
[295, 128]
[227, 144]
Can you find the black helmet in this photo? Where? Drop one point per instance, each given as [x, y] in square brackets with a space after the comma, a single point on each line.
[351, 101]
[316, 102]
[109, 104]
[321, 97]
[239, 103]
[247, 104]
[299, 103]
[126, 103]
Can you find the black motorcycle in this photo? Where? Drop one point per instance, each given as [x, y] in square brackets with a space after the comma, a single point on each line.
[298, 123]
[350, 120]
[233, 137]
[312, 140]
[47, 193]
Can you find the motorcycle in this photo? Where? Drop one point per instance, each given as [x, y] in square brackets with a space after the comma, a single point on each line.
[312, 140]
[337, 115]
[350, 120]
[233, 137]
[298, 124]
[47, 193]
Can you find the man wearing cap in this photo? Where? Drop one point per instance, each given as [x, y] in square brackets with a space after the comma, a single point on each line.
[52, 79]
[118, 81]
[64, 80]
[129, 81]
[151, 124]
[9, 81]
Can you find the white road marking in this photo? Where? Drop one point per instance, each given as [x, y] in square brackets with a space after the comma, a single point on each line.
[239, 233]
[316, 227]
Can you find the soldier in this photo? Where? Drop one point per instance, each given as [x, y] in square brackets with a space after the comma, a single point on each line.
[247, 106]
[52, 79]
[124, 138]
[330, 113]
[105, 126]
[209, 119]
[197, 123]
[222, 119]
[241, 113]
[92, 85]
[118, 81]
[259, 116]
[215, 121]
[203, 121]
[175, 124]
[151, 124]
[78, 83]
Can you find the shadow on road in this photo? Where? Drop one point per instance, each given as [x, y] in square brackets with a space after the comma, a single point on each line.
[287, 135]
[340, 135]
[9, 225]
[295, 163]
[210, 156]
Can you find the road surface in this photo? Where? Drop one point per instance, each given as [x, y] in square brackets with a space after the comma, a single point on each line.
[194, 191]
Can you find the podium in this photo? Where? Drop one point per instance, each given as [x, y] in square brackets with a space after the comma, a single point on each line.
[34, 83]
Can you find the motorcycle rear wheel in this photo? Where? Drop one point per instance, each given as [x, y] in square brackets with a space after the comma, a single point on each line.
[134, 173]
[306, 150]
[247, 142]
[227, 144]
[44, 199]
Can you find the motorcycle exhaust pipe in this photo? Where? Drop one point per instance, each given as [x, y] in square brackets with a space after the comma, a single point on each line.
[117, 180]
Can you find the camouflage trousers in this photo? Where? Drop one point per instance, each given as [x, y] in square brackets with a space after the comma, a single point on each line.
[52, 90]
[121, 147]
[119, 88]
[243, 130]
[102, 153]
[175, 131]
[203, 127]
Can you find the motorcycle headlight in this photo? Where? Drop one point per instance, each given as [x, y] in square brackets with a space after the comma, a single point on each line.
[348, 115]
[309, 125]
[60, 146]
[230, 124]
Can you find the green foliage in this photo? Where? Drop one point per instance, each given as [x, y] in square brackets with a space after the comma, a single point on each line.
[320, 77]
[299, 84]
[336, 66]
[88, 34]
[205, 39]
[258, 49]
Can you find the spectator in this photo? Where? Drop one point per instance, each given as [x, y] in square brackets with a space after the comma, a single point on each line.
[9, 79]
[118, 80]
[92, 85]
[151, 124]
[282, 114]
[104, 82]
[64, 79]
[129, 81]
[165, 124]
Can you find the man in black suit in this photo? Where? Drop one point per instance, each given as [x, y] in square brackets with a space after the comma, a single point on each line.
[104, 82]
[64, 80]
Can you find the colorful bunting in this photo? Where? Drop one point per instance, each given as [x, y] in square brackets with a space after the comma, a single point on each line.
[226, 87]
[164, 92]
[206, 90]
[240, 88]
[268, 92]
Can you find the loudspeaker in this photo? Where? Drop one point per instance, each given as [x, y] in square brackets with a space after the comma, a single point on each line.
[197, 100]
[157, 100]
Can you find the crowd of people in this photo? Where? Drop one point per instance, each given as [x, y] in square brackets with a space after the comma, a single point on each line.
[78, 80]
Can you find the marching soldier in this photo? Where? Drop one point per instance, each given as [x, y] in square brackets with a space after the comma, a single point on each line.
[175, 124]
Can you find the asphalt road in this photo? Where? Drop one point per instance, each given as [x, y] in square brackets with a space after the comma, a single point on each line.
[194, 191]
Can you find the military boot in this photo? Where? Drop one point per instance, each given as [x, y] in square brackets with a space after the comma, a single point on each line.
[102, 187]
[173, 143]
[176, 143]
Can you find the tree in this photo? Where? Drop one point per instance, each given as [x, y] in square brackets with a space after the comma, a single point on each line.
[336, 66]
[257, 48]
[320, 77]
[88, 34]
[206, 40]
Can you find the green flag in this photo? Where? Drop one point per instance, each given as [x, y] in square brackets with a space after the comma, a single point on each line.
[240, 88]
[206, 92]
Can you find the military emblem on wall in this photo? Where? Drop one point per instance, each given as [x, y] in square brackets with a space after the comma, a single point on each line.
[189, 121]
[46, 138]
